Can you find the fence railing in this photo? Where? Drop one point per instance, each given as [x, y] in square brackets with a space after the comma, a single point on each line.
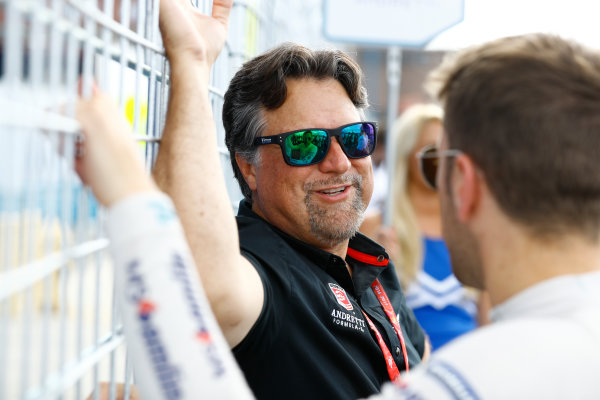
[60, 332]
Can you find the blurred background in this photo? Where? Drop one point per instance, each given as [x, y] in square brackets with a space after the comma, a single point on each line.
[59, 329]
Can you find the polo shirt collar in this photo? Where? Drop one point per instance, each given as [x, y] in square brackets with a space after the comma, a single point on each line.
[366, 258]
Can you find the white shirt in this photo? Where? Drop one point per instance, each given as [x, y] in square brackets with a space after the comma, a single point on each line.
[544, 344]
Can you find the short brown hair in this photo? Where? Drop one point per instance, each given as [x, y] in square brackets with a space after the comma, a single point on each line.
[261, 85]
[526, 109]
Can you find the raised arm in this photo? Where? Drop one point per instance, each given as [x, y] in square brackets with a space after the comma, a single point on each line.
[188, 167]
[177, 348]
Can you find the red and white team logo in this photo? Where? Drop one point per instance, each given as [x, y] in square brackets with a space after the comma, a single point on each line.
[340, 295]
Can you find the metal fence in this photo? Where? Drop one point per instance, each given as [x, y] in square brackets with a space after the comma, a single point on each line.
[59, 329]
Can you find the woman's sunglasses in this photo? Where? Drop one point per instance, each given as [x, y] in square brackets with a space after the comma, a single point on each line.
[310, 146]
[429, 161]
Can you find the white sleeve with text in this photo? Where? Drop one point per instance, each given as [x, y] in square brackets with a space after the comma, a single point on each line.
[177, 348]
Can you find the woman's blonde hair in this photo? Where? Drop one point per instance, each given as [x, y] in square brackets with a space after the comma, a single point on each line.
[406, 132]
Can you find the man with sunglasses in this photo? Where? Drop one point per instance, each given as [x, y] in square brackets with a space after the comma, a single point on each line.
[310, 307]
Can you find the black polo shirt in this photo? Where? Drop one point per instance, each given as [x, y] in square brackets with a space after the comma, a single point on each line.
[309, 343]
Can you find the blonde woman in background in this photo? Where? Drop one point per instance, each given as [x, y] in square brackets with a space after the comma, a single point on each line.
[443, 307]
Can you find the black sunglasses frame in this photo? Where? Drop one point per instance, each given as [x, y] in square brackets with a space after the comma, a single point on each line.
[430, 153]
[280, 140]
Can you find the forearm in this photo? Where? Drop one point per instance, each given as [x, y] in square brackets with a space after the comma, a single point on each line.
[188, 168]
[188, 149]
[189, 134]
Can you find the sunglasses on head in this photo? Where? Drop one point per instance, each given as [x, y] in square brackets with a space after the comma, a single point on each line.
[429, 161]
[310, 146]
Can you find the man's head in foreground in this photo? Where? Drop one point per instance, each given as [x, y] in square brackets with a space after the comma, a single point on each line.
[519, 158]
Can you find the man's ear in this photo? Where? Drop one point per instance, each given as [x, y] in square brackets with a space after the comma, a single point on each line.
[248, 171]
[466, 187]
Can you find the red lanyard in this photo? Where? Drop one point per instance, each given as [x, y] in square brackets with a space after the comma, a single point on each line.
[390, 364]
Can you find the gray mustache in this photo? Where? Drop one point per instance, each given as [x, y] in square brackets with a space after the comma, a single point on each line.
[346, 179]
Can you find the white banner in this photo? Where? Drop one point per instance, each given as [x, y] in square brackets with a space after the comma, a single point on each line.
[407, 23]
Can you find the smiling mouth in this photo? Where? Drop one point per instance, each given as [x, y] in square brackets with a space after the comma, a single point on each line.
[333, 192]
[333, 187]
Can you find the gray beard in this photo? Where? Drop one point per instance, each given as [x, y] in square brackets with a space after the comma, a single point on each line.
[333, 226]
